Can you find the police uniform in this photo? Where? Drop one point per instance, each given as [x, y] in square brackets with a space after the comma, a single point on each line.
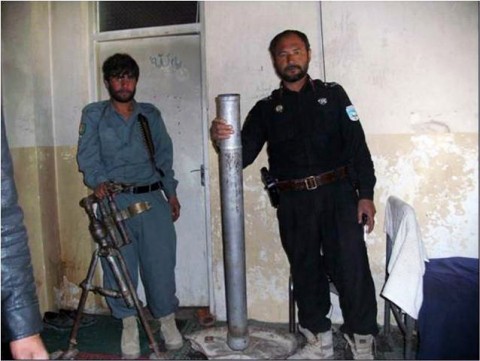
[111, 148]
[317, 150]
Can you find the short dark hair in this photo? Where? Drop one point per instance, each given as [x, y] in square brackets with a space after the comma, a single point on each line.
[119, 65]
[278, 37]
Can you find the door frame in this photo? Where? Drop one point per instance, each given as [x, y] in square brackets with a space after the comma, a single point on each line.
[95, 37]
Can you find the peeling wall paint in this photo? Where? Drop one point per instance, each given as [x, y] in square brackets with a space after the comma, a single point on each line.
[438, 175]
[59, 239]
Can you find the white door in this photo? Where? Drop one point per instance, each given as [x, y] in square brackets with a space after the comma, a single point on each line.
[170, 78]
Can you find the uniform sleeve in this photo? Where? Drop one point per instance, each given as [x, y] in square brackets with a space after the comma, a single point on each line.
[163, 153]
[20, 309]
[253, 134]
[356, 149]
[88, 152]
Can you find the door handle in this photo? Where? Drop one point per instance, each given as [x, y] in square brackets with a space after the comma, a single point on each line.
[202, 174]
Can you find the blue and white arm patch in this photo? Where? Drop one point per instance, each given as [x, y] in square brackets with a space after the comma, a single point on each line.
[352, 113]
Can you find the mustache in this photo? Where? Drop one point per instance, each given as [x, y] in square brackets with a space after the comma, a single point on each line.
[291, 67]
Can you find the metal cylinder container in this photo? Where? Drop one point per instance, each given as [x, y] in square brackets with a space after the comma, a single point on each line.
[233, 230]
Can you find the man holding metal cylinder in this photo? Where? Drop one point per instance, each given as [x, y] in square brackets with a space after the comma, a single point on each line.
[127, 143]
[323, 190]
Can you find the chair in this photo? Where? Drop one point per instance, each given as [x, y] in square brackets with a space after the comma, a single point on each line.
[405, 267]
[438, 297]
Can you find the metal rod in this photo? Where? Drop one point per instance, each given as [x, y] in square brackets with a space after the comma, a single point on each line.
[291, 307]
[233, 230]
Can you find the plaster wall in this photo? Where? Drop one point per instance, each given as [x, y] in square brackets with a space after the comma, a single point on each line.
[45, 83]
[412, 77]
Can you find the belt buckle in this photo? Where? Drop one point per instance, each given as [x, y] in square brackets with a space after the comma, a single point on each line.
[311, 183]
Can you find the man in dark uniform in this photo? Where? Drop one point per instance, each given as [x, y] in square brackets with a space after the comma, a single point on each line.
[325, 178]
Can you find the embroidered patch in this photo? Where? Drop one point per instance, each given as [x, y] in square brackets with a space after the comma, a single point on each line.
[81, 129]
[352, 113]
[322, 101]
[279, 108]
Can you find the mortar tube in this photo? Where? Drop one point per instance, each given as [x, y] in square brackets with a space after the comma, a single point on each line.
[233, 229]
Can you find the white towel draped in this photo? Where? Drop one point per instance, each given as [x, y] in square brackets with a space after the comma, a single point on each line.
[406, 267]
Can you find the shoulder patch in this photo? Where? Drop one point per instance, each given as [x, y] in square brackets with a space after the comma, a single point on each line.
[82, 128]
[352, 113]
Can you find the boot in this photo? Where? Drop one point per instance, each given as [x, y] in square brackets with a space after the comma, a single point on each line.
[130, 343]
[171, 335]
[318, 347]
[361, 346]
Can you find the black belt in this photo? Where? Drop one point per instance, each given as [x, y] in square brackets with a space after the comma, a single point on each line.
[314, 181]
[144, 189]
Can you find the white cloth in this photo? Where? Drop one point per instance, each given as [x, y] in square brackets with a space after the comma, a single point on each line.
[406, 267]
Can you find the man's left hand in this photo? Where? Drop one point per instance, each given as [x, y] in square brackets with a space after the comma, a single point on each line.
[366, 207]
[175, 206]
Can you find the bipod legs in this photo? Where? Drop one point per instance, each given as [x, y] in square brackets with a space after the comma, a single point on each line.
[127, 291]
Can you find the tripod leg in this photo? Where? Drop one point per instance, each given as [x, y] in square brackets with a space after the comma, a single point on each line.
[86, 286]
[121, 275]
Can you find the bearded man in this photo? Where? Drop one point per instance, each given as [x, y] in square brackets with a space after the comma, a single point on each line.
[112, 148]
[325, 177]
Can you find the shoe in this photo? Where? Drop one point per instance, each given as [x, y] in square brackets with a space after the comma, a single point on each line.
[171, 335]
[361, 346]
[318, 347]
[130, 343]
[65, 319]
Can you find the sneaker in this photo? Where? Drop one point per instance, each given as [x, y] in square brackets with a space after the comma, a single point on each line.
[171, 335]
[130, 343]
[361, 346]
[318, 347]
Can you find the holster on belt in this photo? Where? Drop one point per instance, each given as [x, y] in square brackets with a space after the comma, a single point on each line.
[270, 184]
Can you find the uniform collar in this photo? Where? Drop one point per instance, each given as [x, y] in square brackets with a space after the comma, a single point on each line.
[136, 108]
[308, 86]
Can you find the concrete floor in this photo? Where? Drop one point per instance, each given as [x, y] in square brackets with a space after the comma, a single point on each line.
[386, 348]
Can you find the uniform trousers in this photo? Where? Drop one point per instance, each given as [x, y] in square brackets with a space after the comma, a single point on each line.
[320, 235]
[152, 251]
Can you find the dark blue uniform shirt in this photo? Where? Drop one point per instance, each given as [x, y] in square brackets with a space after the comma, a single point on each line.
[308, 133]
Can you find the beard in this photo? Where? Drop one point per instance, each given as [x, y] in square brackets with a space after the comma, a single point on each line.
[291, 78]
[121, 96]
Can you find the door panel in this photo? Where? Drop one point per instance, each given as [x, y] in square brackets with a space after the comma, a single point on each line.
[170, 78]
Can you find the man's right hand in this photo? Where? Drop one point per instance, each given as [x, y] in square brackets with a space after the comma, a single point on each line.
[29, 348]
[101, 191]
[220, 130]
